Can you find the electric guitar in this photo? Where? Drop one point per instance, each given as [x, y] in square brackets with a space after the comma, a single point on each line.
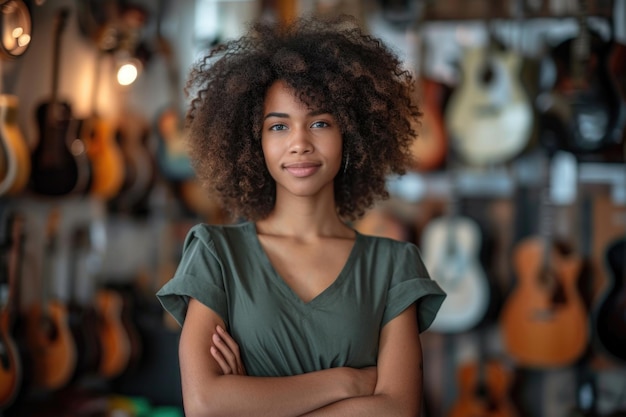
[544, 320]
[52, 346]
[60, 165]
[450, 246]
[489, 117]
[10, 360]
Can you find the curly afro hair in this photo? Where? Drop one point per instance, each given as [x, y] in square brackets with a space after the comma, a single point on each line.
[332, 64]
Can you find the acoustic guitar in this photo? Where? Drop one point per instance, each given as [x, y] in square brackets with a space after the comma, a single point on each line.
[15, 152]
[82, 313]
[60, 165]
[584, 112]
[489, 117]
[172, 153]
[484, 387]
[609, 315]
[133, 136]
[114, 340]
[544, 320]
[53, 349]
[450, 247]
[10, 359]
[103, 150]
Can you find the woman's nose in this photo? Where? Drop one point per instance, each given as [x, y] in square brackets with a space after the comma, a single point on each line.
[300, 141]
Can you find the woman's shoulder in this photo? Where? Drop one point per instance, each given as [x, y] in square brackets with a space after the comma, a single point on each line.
[216, 234]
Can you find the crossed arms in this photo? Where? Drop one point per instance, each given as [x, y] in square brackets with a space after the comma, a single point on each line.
[214, 381]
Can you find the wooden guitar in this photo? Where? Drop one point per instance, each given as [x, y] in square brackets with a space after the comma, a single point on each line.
[609, 315]
[431, 146]
[60, 165]
[102, 149]
[450, 247]
[489, 117]
[114, 340]
[583, 113]
[133, 134]
[10, 360]
[172, 153]
[544, 320]
[53, 349]
[82, 313]
[17, 166]
[484, 387]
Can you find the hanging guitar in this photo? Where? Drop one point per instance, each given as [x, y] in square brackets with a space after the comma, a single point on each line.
[544, 320]
[102, 149]
[16, 155]
[172, 153]
[450, 246]
[583, 113]
[484, 386]
[489, 117]
[610, 314]
[60, 165]
[50, 339]
[10, 360]
[82, 313]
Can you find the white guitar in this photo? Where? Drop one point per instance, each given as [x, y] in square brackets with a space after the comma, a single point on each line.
[489, 117]
[450, 246]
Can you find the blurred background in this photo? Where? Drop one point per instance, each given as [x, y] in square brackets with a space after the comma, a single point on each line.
[516, 197]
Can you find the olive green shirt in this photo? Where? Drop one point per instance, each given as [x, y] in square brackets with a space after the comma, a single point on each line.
[226, 268]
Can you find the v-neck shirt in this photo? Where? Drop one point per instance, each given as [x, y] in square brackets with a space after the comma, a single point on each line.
[226, 268]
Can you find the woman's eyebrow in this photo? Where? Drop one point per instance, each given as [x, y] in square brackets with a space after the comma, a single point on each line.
[286, 116]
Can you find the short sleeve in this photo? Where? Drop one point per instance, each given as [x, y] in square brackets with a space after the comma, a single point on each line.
[199, 275]
[411, 283]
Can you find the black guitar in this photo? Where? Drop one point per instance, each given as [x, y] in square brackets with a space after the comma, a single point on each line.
[60, 165]
[583, 113]
[610, 313]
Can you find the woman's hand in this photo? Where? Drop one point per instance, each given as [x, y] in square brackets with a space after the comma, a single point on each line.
[225, 351]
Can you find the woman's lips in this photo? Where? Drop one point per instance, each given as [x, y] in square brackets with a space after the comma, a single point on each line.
[302, 169]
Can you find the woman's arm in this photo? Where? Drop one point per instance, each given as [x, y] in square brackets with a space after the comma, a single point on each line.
[399, 386]
[207, 391]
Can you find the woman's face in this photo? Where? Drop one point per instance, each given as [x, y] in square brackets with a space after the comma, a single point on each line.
[302, 146]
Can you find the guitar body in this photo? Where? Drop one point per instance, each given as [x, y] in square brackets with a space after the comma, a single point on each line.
[450, 247]
[610, 313]
[16, 152]
[431, 146]
[584, 113]
[53, 349]
[132, 135]
[172, 155]
[545, 325]
[59, 161]
[489, 117]
[484, 391]
[114, 340]
[106, 158]
[10, 365]
[83, 322]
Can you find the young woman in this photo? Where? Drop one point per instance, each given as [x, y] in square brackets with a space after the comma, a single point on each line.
[292, 312]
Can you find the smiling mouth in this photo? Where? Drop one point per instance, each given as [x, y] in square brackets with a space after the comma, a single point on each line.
[301, 170]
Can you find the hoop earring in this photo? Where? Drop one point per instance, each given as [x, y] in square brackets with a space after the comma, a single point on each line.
[345, 167]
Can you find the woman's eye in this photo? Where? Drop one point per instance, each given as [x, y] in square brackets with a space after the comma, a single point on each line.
[278, 126]
[319, 124]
